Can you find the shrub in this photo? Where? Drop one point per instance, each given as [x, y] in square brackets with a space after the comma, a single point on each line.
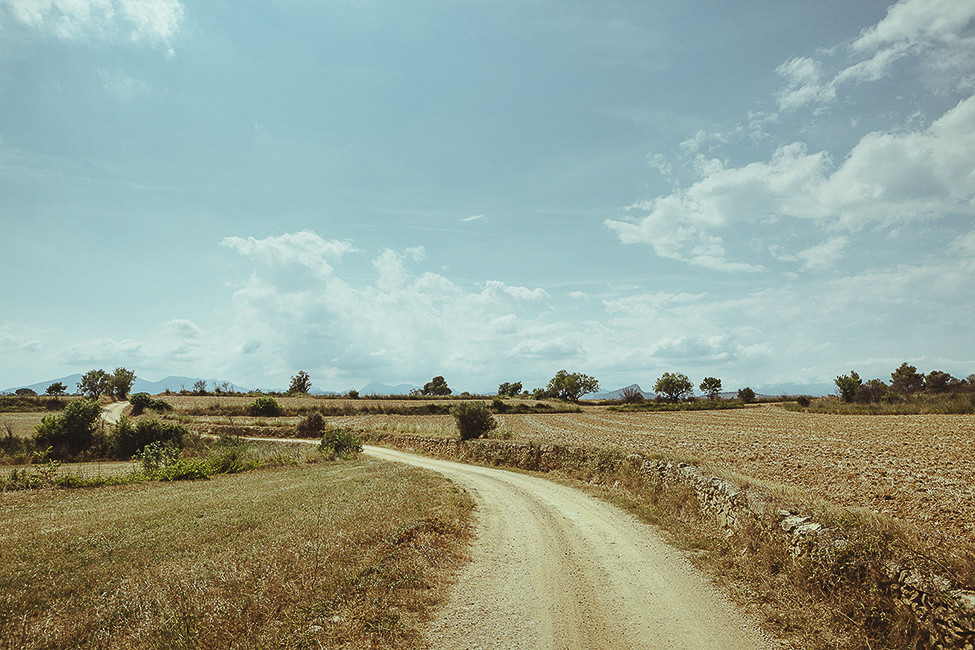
[265, 405]
[157, 455]
[142, 401]
[128, 439]
[473, 419]
[340, 443]
[310, 426]
[70, 432]
[803, 401]
[498, 405]
[184, 469]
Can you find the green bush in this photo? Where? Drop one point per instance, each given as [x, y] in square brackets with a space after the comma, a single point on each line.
[474, 419]
[72, 431]
[340, 443]
[142, 401]
[184, 469]
[127, 438]
[157, 455]
[265, 405]
[311, 426]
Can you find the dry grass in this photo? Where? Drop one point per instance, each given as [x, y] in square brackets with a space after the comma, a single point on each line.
[337, 555]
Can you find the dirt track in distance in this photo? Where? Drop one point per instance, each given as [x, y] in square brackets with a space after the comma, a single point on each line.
[555, 568]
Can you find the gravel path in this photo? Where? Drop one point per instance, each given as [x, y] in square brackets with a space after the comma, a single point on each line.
[555, 568]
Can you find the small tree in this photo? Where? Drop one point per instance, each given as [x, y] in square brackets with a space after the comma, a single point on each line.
[300, 384]
[508, 389]
[120, 383]
[56, 389]
[848, 385]
[200, 386]
[676, 386]
[436, 387]
[474, 419]
[746, 395]
[94, 384]
[571, 386]
[906, 380]
[25, 392]
[711, 386]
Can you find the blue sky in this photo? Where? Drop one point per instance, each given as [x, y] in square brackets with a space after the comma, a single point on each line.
[772, 193]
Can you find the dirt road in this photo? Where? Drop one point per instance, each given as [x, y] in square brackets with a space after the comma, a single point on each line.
[113, 412]
[555, 568]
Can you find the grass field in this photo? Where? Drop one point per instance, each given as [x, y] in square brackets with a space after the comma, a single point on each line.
[322, 555]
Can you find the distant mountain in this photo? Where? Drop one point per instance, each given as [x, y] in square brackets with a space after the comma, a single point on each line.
[378, 388]
[140, 385]
[618, 393]
[70, 385]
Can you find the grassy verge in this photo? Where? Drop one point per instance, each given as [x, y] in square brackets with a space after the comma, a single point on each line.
[347, 554]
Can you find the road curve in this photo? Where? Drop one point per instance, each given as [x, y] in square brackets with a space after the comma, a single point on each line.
[113, 412]
[555, 568]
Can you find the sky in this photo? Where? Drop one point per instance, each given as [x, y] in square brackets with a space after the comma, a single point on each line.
[771, 193]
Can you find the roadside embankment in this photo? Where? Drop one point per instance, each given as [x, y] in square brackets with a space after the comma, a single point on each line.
[862, 573]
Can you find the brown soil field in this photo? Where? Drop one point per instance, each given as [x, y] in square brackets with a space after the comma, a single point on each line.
[915, 468]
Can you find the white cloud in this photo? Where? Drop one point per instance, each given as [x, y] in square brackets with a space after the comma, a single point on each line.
[887, 179]
[155, 21]
[805, 84]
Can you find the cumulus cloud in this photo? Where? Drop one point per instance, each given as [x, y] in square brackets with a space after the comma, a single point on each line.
[887, 179]
[402, 320]
[155, 21]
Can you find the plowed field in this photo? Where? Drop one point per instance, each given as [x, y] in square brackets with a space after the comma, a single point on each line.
[918, 468]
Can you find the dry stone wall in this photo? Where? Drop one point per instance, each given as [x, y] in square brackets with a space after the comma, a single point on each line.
[946, 614]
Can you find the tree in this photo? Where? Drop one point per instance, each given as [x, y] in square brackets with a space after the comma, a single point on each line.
[94, 383]
[870, 392]
[746, 395]
[56, 389]
[676, 386]
[437, 387]
[120, 383]
[509, 390]
[200, 386]
[848, 385]
[571, 386]
[473, 419]
[300, 384]
[906, 380]
[25, 392]
[938, 381]
[711, 386]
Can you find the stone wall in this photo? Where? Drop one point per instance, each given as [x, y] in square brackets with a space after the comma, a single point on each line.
[946, 614]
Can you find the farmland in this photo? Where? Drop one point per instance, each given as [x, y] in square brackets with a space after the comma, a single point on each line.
[915, 468]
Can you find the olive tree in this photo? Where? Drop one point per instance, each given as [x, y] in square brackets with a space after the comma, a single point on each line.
[676, 386]
[711, 386]
[94, 384]
[120, 383]
[571, 386]
[436, 387]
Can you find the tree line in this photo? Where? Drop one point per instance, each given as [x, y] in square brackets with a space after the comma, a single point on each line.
[905, 383]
